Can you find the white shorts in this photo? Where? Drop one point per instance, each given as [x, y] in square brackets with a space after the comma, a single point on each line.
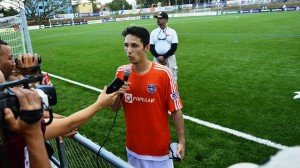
[140, 163]
[171, 64]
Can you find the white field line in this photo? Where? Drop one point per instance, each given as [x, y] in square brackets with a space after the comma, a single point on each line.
[198, 121]
[236, 133]
[189, 20]
[68, 34]
[204, 19]
[75, 83]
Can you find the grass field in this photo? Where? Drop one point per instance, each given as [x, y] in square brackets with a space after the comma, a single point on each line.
[237, 71]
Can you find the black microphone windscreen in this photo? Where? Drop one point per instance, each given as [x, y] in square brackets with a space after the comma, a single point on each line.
[126, 73]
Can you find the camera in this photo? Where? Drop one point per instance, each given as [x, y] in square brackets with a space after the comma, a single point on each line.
[9, 100]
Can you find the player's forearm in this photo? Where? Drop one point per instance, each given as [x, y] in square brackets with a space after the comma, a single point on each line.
[179, 125]
[171, 51]
[117, 105]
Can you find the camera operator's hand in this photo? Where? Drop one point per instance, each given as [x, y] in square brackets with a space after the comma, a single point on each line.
[28, 100]
[25, 62]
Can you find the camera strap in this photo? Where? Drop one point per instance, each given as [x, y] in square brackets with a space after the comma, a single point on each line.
[32, 69]
[31, 116]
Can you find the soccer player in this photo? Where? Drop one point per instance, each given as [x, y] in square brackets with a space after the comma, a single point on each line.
[151, 94]
[163, 44]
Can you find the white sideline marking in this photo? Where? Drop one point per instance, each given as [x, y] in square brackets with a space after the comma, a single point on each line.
[67, 34]
[189, 20]
[74, 82]
[198, 121]
[236, 133]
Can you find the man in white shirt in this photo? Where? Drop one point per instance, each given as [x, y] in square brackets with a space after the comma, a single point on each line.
[163, 44]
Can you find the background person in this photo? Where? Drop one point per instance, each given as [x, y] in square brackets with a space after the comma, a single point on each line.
[163, 44]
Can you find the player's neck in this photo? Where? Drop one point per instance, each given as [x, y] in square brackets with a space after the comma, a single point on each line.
[142, 67]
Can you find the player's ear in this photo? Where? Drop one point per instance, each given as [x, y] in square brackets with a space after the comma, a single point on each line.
[147, 47]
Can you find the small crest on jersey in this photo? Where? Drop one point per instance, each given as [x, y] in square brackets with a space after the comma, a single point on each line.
[128, 98]
[174, 96]
[151, 88]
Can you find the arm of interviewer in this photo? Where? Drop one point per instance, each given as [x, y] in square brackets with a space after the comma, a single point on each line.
[29, 100]
[179, 125]
[65, 125]
[46, 114]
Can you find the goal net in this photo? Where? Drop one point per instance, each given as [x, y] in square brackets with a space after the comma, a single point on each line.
[58, 22]
[11, 31]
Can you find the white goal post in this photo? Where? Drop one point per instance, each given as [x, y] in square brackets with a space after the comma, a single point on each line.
[14, 31]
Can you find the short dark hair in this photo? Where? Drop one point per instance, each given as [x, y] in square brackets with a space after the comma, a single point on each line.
[1, 44]
[140, 32]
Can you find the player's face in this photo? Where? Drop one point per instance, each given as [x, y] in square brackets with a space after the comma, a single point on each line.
[134, 49]
[6, 61]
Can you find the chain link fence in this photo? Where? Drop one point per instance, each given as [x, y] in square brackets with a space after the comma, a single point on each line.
[80, 152]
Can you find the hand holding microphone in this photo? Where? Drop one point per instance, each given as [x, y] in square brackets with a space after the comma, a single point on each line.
[125, 79]
[119, 83]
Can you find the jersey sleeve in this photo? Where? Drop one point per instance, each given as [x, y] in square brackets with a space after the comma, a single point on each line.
[174, 100]
[120, 72]
[175, 37]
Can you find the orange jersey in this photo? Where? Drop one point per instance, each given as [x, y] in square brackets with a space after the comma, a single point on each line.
[146, 104]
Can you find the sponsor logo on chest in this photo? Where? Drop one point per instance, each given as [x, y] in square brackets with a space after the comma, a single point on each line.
[151, 88]
[129, 98]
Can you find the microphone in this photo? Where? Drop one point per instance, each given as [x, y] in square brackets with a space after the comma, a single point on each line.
[126, 74]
